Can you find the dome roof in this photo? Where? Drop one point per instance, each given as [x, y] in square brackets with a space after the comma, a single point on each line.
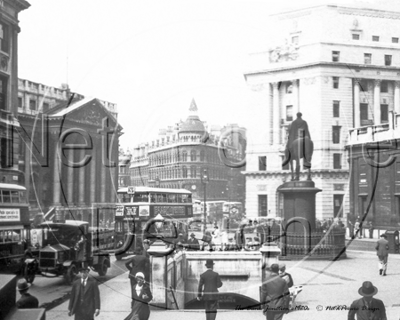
[193, 124]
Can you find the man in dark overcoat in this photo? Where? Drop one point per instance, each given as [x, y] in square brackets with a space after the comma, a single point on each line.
[85, 297]
[193, 244]
[27, 301]
[275, 295]
[367, 308]
[138, 263]
[382, 251]
[208, 290]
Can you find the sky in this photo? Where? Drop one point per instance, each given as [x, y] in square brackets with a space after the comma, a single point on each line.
[152, 58]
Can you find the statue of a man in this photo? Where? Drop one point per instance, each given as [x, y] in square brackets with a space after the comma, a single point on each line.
[297, 129]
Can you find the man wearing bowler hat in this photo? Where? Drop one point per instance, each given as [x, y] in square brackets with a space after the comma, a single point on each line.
[367, 308]
[85, 297]
[193, 243]
[26, 301]
[382, 251]
[208, 290]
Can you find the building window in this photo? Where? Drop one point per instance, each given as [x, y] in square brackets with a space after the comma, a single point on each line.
[337, 205]
[202, 155]
[262, 205]
[32, 104]
[337, 161]
[363, 113]
[4, 37]
[184, 172]
[3, 93]
[384, 86]
[355, 36]
[335, 56]
[395, 40]
[45, 107]
[289, 113]
[384, 113]
[20, 102]
[289, 88]
[295, 40]
[336, 134]
[367, 58]
[262, 163]
[388, 60]
[336, 109]
[193, 172]
[375, 38]
[335, 82]
[184, 156]
[193, 155]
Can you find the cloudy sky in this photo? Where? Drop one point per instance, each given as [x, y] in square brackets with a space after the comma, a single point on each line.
[151, 57]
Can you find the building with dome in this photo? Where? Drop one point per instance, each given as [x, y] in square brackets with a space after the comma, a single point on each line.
[181, 154]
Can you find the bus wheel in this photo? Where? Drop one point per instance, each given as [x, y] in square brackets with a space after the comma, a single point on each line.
[71, 274]
[29, 273]
[102, 269]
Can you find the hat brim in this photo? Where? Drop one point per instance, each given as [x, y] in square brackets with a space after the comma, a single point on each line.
[209, 264]
[361, 293]
[28, 285]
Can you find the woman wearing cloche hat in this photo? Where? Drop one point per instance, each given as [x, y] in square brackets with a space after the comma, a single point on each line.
[367, 308]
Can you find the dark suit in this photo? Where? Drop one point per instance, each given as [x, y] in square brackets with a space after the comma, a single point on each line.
[84, 300]
[275, 297]
[27, 301]
[137, 264]
[211, 281]
[382, 251]
[193, 244]
[375, 311]
[140, 305]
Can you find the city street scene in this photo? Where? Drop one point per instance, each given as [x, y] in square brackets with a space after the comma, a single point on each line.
[199, 159]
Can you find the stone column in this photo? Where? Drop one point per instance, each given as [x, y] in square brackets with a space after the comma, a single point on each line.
[268, 116]
[295, 93]
[377, 102]
[397, 97]
[93, 177]
[276, 114]
[357, 121]
[57, 174]
[81, 186]
[70, 177]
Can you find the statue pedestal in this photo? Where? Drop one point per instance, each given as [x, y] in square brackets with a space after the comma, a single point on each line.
[299, 202]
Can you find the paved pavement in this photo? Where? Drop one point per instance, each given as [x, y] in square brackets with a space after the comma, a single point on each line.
[325, 283]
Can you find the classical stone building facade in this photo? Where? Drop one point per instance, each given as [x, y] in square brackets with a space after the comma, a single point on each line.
[181, 154]
[9, 140]
[70, 154]
[339, 67]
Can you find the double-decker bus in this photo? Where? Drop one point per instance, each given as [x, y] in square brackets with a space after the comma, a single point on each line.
[137, 205]
[14, 227]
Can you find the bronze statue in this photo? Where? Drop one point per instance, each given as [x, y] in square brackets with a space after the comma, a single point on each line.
[299, 146]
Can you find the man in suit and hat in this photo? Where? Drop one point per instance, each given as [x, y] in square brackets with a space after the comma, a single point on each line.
[208, 290]
[193, 244]
[367, 308]
[382, 251]
[85, 297]
[138, 263]
[27, 301]
[275, 295]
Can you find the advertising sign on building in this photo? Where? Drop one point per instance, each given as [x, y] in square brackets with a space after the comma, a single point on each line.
[144, 211]
[9, 215]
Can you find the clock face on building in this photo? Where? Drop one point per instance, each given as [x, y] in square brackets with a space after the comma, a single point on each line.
[193, 187]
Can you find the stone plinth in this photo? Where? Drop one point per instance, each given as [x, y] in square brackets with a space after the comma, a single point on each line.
[299, 202]
[270, 253]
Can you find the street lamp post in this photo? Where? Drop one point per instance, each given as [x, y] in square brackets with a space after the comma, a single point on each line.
[204, 181]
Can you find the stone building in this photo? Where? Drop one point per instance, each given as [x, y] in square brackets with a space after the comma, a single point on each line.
[70, 154]
[9, 141]
[178, 158]
[339, 67]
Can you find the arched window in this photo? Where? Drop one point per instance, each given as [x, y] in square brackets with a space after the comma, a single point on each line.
[289, 88]
[184, 172]
[193, 155]
[184, 156]
[202, 153]
[193, 172]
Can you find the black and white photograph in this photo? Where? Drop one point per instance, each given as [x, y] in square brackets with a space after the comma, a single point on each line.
[199, 159]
